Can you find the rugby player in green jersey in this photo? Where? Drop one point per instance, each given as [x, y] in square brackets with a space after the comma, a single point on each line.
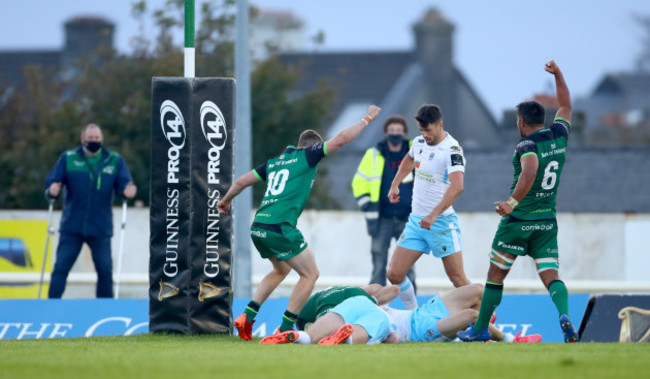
[528, 225]
[289, 178]
[342, 314]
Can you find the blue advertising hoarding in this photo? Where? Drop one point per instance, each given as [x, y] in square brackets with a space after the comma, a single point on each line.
[30, 319]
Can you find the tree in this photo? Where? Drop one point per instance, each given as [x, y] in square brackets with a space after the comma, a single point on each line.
[41, 120]
[278, 119]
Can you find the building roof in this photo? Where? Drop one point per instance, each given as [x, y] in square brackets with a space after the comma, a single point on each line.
[356, 76]
[12, 64]
[627, 84]
[593, 180]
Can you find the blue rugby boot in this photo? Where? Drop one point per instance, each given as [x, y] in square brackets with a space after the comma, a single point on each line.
[469, 335]
[570, 334]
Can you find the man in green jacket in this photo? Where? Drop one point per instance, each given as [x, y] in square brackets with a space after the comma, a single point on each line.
[92, 176]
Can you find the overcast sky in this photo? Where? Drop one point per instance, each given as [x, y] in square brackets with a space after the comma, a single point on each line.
[499, 45]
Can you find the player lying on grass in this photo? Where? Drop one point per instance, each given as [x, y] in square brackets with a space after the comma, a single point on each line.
[342, 315]
[441, 317]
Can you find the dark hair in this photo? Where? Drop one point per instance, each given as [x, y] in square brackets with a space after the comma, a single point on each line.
[396, 119]
[308, 138]
[531, 112]
[428, 114]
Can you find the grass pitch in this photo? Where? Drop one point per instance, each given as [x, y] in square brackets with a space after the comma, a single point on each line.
[167, 356]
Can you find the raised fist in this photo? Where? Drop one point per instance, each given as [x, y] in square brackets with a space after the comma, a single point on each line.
[373, 111]
[551, 67]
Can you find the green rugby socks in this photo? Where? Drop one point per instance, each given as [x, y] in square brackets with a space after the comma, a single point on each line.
[491, 299]
[560, 296]
[288, 319]
[251, 310]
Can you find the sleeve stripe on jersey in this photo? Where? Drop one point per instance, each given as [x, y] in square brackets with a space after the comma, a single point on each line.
[563, 119]
[257, 175]
[325, 148]
[528, 153]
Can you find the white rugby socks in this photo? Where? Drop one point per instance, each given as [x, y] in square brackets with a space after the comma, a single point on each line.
[303, 338]
[407, 294]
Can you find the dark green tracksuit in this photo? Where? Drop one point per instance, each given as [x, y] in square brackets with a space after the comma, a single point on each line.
[87, 213]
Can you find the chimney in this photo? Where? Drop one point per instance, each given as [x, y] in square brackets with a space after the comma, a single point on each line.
[433, 41]
[433, 51]
[85, 36]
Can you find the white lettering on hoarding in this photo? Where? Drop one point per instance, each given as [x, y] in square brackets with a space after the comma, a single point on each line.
[213, 125]
[173, 128]
[23, 330]
[125, 320]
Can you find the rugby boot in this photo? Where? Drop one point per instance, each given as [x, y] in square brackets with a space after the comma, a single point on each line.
[244, 327]
[285, 337]
[469, 335]
[533, 338]
[570, 334]
[339, 337]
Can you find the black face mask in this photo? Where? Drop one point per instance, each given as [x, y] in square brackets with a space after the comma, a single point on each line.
[395, 139]
[92, 146]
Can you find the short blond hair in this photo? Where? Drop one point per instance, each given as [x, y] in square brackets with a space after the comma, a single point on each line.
[308, 138]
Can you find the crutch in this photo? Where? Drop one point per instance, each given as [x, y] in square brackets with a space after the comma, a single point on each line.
[121, 252]
[50, 232]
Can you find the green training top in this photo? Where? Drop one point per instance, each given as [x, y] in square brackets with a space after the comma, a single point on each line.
[289, 179]
[549, 144]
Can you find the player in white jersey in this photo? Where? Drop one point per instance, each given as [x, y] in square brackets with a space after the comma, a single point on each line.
[441, 317]
[433, 225]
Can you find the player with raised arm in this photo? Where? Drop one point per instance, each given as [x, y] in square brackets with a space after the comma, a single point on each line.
[289, 178]
[433, 225]
[528, 225]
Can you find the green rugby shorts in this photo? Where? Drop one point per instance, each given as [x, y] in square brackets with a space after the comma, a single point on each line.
[535, 238]
[281, 241]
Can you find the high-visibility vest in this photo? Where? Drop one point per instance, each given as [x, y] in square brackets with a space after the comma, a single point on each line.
[366, 186]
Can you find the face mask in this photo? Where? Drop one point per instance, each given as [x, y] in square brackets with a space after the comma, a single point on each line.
[92, 146]
[395, 139]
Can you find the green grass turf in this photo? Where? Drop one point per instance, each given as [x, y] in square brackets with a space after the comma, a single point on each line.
[166, 356]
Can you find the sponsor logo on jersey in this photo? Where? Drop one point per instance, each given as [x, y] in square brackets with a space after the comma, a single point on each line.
[554, 152]
[284, 254]
[511, 247]
[526, 228]
[525, 143]
[431, 156]
[455, 148]
[417, 164]
[456, 160]
[258, 234]
[420, 175]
